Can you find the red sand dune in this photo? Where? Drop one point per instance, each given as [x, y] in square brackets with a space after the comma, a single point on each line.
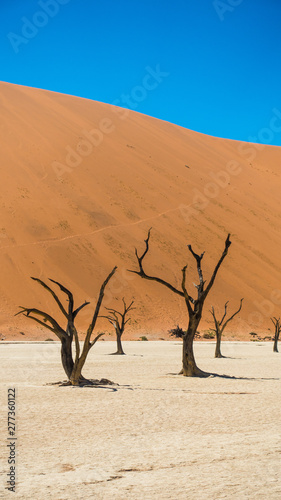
[72, 217]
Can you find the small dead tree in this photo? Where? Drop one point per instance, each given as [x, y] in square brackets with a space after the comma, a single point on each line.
[72, 367]
[220, 326]
[119, 321]
[194, 306]
[277, 326]
[179, 333]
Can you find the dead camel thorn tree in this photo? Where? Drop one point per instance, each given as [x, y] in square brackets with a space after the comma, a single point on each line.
[220, 326]
[119, 321]
[277, 326]
[194, 306]
[72, 368]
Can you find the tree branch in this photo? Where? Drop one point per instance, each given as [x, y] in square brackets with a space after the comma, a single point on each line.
[217, 324]
[56, 327]
[231, 317]
[114, 320]
[44, 325]
[198, 259]
[187, 297]
[142, 273]
[97, 309]
[111, 311]
[140, 259]
[225, 310]
[224, 254]
[129, 307]
[70, 297]
[96, 339]
[79, 309]
[53, 294]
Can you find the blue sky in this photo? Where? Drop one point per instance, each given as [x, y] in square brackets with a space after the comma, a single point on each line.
[221, 59]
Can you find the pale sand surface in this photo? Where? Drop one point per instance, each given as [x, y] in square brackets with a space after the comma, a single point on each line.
[158, 436]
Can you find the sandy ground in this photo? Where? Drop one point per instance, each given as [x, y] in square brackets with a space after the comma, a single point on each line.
[156, 435]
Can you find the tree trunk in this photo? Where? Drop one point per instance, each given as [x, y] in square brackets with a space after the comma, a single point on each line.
[66, 356]
[119, 345]
[218, 353]
[67, 360]
[275, 347]
[189, 367]
[76, 377]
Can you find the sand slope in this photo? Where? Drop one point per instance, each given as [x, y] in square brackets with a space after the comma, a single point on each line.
[72, 209]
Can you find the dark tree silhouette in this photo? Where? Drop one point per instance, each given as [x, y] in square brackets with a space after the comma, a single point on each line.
[220, 326]
[119, 321]
[72, 368]
[179, 333]
[277, 326]
[194, 306]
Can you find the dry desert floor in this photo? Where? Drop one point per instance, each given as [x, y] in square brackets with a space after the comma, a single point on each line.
[154, 436]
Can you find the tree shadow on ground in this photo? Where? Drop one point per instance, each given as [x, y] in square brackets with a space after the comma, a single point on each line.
[123, 354]
[228, 357]
[103, 383]
[93, 384]
[230, 377]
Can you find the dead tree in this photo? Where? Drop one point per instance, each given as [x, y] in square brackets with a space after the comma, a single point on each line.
[179, 333]
[220, 326]
[194, 306]
[277, 326]
[119, 321]
[72, 367]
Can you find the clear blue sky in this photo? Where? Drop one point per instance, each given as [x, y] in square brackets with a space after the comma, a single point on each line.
[223, 58]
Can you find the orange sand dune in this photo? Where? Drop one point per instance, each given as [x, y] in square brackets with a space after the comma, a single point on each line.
[83, 181]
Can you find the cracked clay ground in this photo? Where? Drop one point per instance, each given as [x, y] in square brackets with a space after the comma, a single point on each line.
[155, 435]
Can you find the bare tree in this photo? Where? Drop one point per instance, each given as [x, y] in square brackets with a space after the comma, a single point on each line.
[194, 306]
[220, 326]
[277, 326]
[72, 368]
[119, 321]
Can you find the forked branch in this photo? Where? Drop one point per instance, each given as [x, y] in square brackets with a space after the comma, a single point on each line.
[44, 285]
[143, 274]
[55, 328]
[97, 310]
[69, 294]
[198, 259]
[221, 324]
[233, 315]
